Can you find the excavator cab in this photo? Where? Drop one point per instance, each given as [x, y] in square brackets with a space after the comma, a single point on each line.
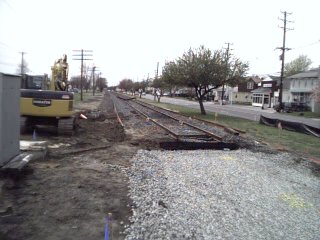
[34, 81]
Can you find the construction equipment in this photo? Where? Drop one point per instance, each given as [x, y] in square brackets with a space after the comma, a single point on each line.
[47, 102]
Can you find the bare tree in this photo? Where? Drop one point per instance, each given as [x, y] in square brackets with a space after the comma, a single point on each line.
[101, 83]
[87, 77]
[22, 67]
[75, 82]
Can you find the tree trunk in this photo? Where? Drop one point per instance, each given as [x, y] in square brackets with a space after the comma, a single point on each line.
[203, 111]
[200, 100]
[222, 94]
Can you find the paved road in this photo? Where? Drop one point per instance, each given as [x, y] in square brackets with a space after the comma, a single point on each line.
[246, 112]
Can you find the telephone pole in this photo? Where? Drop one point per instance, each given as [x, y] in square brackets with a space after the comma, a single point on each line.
[93, 83]
[84, 53]
[156, 77]
[227, 64]
[157, 70]
[22, 63]
[283, 49]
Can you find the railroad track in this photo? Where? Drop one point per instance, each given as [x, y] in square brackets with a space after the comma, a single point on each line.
[204, 124]
[181, 127]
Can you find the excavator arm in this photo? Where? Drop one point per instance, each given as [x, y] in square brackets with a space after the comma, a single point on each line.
[59, 78]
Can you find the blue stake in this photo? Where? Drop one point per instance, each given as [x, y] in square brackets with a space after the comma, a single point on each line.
[106, 232]
[34, 135]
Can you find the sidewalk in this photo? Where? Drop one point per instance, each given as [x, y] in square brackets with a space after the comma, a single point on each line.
[249, 107]
[271, 113]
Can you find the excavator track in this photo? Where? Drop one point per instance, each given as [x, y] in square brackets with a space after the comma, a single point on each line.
[23, 124]
[66, 126]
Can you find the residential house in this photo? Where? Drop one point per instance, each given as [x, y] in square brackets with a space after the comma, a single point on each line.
[244, 95]
[228, 93]
[301, 86]
[258, 91]
[264, 95]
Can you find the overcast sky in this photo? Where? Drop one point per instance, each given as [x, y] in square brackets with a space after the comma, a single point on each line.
[129, 37]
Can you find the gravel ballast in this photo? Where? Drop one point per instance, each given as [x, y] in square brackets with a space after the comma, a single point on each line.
[222, 195]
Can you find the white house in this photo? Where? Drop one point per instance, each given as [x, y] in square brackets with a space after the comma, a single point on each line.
[301, 86]
[264, 95]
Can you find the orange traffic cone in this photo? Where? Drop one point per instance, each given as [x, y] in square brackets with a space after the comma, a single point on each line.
[83, 116]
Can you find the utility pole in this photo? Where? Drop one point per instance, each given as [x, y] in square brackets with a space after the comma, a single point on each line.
[283, 49]
[84, 53]
[22, 63]
[157, 70]
[156, 77]
[93, 83]
[227, 65]
[99, 81]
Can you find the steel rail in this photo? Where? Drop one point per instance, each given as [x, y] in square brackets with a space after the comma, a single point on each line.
[157, 123]
[189, 124]
[174, 134]
[231, 130]
[118, 117]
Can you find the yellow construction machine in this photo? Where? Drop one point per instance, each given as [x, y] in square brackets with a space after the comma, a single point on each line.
[47, 102]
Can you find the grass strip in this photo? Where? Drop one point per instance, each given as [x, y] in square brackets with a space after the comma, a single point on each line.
[278, 139]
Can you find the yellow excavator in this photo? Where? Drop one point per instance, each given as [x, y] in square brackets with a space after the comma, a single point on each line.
[48, 102]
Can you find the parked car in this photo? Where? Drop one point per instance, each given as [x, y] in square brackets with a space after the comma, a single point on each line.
[75, 90]
[300, 107]
[292, 107]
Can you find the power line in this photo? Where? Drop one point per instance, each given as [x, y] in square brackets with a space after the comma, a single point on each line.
[307, 45]
[4, 44]
[9, 5]
[8, 64]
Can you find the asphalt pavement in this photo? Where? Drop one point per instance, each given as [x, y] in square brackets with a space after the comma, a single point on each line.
[242, 111]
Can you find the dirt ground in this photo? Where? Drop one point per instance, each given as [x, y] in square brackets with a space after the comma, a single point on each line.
[69, 193]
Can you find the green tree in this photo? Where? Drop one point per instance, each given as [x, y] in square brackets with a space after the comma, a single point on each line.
[169, 76]
[126, 84]
[137, 88]
[159, 86]
[204, 71]
[300, 64]
[144, 84]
